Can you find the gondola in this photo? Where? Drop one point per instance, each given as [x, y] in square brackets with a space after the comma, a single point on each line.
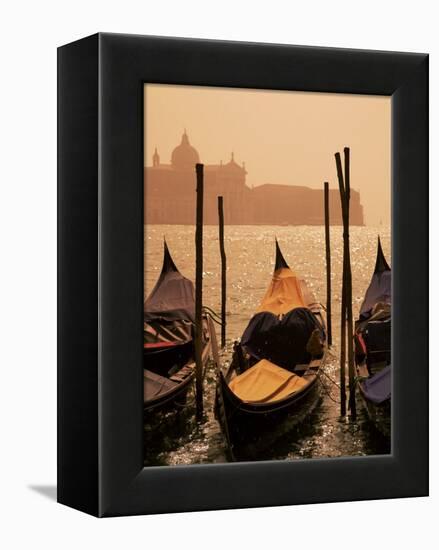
[272, 382]
[373, 346]
[169, 317]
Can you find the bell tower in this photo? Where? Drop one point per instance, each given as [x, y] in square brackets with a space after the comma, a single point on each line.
[155, 158]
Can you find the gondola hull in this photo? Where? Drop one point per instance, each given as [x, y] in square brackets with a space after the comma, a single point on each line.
[169, 354]
[176, 396]
[272, 384]
[173, 400]
[252, 429]
[373, 343]
[379, 414]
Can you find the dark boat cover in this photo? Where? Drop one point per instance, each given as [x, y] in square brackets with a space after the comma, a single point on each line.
[280, 340]
[282, 325]
[380, 289]
[173, 296]
[377, 388]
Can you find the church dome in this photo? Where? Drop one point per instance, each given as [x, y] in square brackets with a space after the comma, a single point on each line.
[184, 156]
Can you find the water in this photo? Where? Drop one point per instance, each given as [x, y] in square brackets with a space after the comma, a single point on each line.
[178, 438]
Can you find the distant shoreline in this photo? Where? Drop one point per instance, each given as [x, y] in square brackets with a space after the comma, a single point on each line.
[320, 224]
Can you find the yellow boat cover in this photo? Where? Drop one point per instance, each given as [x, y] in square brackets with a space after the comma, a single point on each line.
[266, 382]
[283, 294]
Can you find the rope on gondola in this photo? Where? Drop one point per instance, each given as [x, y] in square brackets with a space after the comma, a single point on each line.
[192, 401]
[329, 378]
[356, 381]
[216, 321]
[327, 391]
[203, 376]
[213, 315]
[325, 388]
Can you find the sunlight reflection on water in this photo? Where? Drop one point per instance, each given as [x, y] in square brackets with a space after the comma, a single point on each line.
[250, 261]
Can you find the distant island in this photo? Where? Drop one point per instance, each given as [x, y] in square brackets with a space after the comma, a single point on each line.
[169, 196]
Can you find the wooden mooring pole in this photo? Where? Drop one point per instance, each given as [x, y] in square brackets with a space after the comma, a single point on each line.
[352, 404]
[346, 307]
[199, 293]
[343, 294]
[328, 267]
[223, 271]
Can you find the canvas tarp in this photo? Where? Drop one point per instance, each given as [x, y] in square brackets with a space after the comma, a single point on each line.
[379, 291]
[172, 298]
[281, 340]
[283, 294]
[377, 388]
[380, 312]
[266, 382]
[283, 324]
[380, 287]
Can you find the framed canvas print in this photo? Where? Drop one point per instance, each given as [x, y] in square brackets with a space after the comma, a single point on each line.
[242, 275]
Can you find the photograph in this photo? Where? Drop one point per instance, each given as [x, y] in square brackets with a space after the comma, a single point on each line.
[225, 219]
[267, 275]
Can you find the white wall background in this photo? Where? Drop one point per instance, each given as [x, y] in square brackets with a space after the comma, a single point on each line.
[30, 34]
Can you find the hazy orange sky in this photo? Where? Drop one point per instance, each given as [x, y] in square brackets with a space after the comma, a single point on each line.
[283, 137]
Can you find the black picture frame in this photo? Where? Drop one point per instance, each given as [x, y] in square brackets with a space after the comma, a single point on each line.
[100, 274]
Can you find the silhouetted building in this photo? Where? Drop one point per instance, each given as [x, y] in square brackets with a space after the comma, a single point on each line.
[170, 195]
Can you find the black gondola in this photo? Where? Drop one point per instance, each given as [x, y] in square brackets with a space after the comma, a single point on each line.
[373, 346]
[272, 382]
[169, 316]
